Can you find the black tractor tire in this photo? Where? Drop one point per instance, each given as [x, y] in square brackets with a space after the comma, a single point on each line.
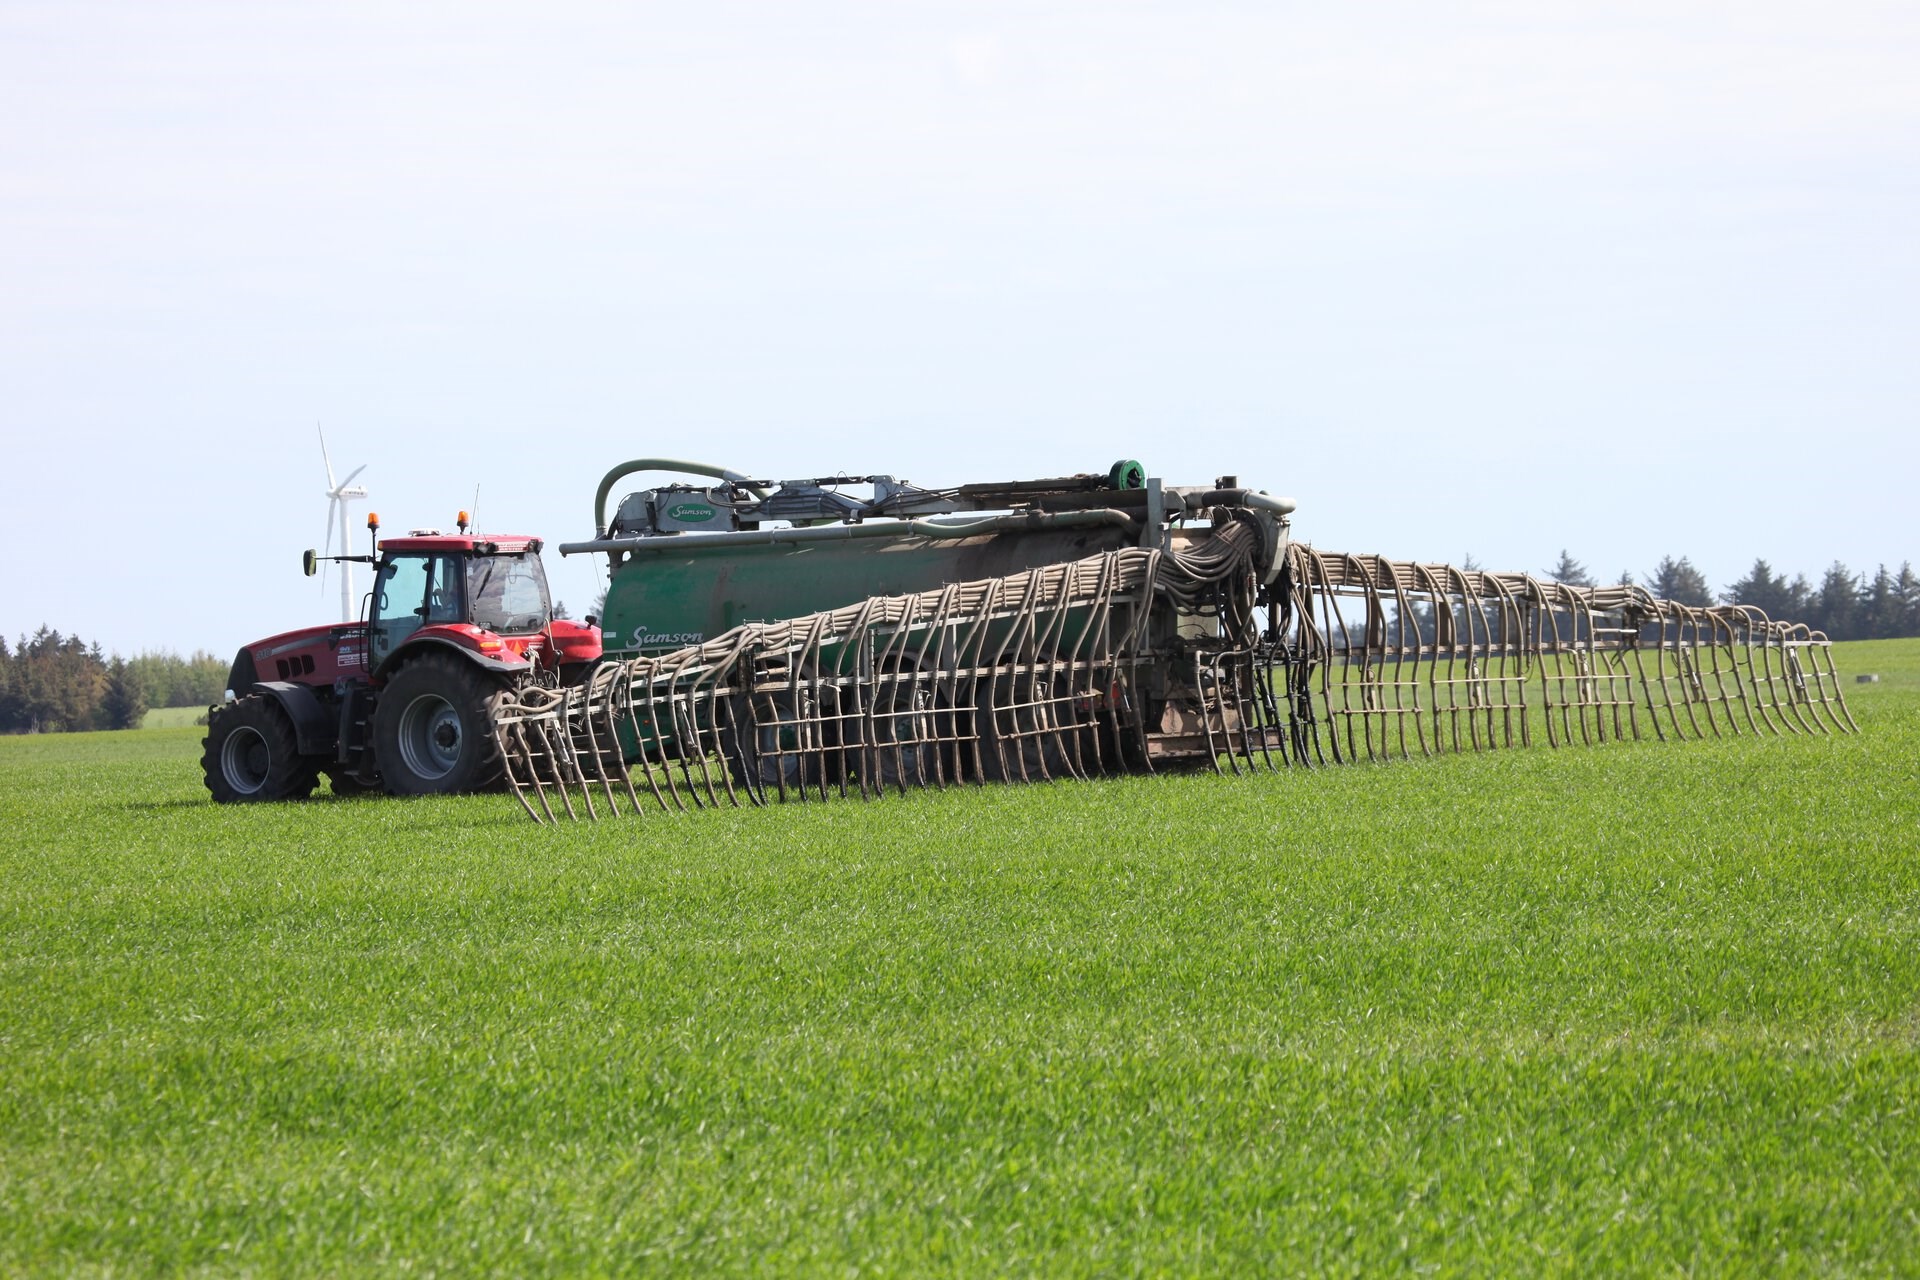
[251, 754]
[433, 728]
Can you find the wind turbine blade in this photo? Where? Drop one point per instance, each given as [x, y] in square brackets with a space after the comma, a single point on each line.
[350, 475]
[324, 458]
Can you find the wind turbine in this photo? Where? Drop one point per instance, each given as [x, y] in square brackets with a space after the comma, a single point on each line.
[338, 496]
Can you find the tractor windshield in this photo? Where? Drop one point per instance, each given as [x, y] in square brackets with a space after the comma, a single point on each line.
[409, 592]
[508, 593]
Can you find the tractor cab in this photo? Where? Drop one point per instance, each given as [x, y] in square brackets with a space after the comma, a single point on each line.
[465, 585]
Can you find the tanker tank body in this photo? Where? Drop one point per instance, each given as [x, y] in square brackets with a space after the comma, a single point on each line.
[689, 562]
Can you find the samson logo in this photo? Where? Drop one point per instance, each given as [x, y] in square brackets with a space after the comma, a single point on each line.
[645, 639]
[690, 512]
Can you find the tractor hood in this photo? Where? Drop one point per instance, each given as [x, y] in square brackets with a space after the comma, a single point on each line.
[310, 655]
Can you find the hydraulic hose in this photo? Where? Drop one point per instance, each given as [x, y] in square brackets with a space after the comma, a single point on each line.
[1240, 498]
[614, 476]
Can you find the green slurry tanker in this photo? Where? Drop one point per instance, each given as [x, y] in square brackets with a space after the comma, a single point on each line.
[801, 639]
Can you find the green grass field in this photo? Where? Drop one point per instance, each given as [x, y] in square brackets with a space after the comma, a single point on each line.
[171, 717]
[1639, 1008]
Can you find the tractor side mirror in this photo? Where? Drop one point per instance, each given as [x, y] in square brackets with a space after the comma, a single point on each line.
[309, 562]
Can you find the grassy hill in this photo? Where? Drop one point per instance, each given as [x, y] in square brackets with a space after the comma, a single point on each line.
[1637, 1008]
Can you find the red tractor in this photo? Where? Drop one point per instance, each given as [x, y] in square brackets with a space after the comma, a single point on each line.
[403, 700]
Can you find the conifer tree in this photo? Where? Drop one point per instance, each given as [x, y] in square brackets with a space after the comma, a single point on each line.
[1570, 571]
[1835, 607]
[124, 704]
[1680, 582]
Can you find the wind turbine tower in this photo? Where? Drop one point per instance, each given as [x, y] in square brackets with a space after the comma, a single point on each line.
[338, 496]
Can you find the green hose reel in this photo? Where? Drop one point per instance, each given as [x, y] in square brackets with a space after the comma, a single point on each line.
[1127, 474]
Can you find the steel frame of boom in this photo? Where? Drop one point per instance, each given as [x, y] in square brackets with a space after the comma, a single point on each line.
[1054, 673]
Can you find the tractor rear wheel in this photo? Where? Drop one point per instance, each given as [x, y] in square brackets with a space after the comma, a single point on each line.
[433, 728]
[251, 754]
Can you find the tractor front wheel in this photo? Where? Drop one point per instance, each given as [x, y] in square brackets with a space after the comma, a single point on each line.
[250, 753]
[433, 728]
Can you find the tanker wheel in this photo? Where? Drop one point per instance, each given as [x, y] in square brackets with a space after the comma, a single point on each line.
[251, 754]
[768, 746]
[907, 728]
[433, 728]
[1019, 739]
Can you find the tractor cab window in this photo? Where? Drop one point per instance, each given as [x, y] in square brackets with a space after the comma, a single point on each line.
[408, 593]
[443, 603]
[509, 593]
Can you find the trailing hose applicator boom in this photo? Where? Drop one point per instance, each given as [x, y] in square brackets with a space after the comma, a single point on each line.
[810, 638]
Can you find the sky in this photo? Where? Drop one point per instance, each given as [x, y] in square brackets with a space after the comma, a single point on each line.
[1631, 280]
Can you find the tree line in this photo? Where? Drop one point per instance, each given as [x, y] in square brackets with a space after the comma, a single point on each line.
[50, 682]
[1846, 605]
